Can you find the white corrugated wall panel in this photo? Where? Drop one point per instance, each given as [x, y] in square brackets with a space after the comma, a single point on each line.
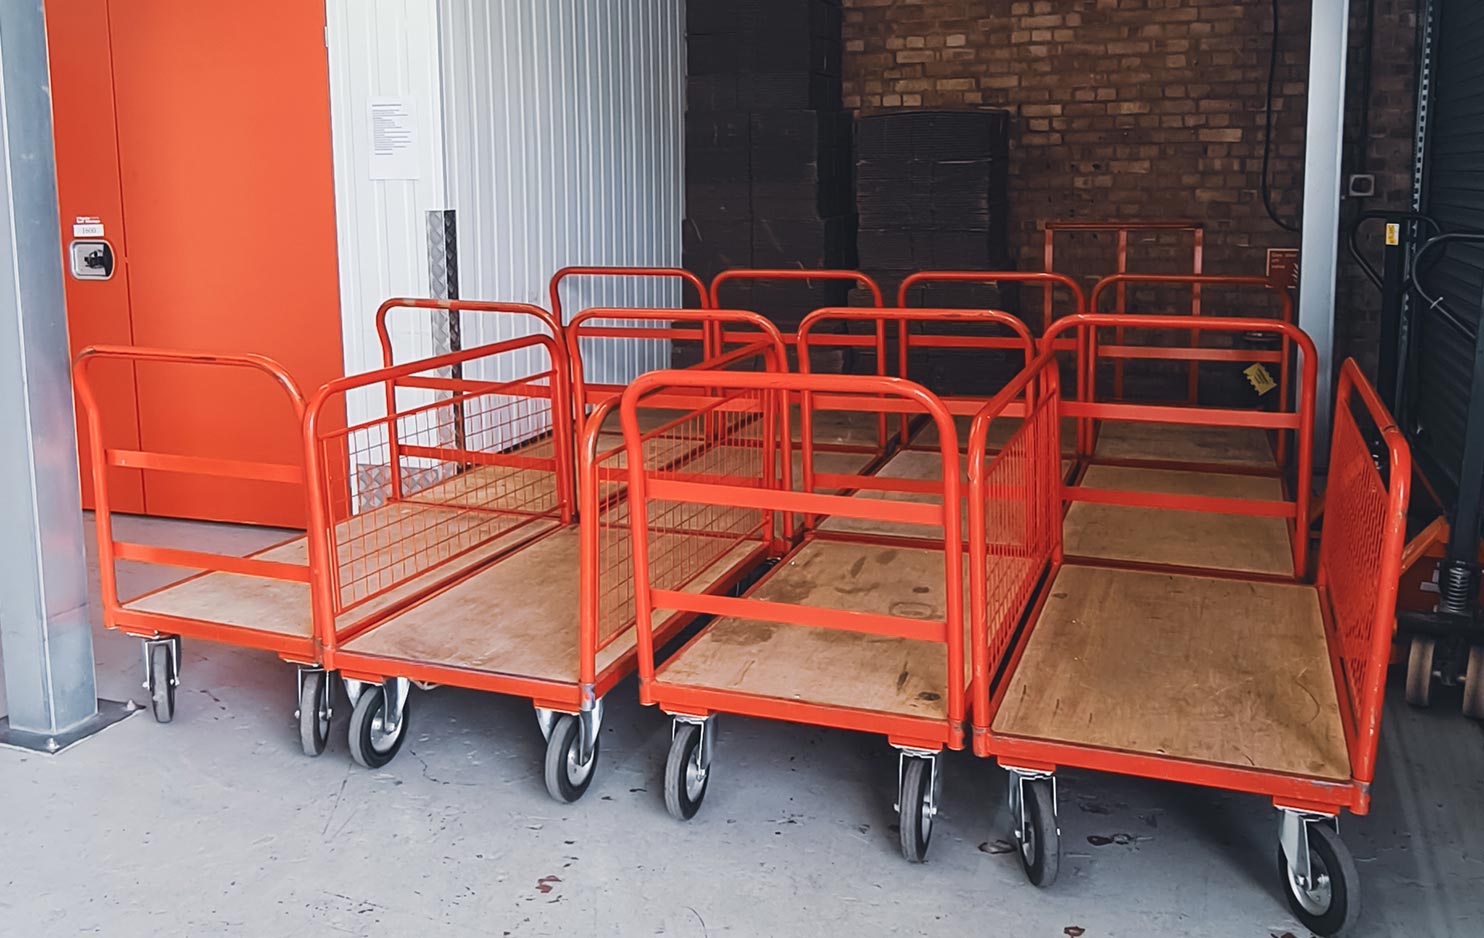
[563, 129]
[379, 48]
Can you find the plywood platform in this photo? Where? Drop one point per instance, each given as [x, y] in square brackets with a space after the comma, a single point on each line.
[1000, 431]
[1220, 446]
[918, 465]
[842, 427]
[375, 548]
[1180, 538]
[518, 616]
[1221, 671]
[829, 666]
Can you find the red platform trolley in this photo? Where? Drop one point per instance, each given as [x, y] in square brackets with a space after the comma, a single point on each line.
[1262, 682]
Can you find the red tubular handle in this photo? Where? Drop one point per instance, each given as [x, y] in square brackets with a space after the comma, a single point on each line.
[660, 273]
[456, 306]
[1191, 280]
[788, 273]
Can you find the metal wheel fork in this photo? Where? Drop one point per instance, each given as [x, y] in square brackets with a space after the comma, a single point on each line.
[708, 737]
[173, 642]
[1293, 837]
[935, 787]
[327, 694]
[1018, 779]
[590, 717]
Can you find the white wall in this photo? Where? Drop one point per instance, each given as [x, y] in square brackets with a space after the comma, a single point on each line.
[564, 125]
[378, 48]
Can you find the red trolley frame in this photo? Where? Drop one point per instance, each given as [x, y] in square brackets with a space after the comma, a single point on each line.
[564, 661]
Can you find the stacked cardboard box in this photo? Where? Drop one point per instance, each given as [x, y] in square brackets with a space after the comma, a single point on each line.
[932, 194]
[768, 159]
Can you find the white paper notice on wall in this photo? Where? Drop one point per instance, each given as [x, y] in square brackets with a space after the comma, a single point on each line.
[87, 226]
[394, 147]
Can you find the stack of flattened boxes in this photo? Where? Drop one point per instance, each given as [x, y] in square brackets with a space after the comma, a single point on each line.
[768, 159]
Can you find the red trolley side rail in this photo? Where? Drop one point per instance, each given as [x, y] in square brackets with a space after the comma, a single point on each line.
[1300, 422]
[1050, 281]
[1360, 555]
[670, 325]
[459, 472]
[1020, 340]
[1015, 513]
[1120, 282]
[301, 648]
[453, 308]
[762, 488]
[703, 297]
[794, 275]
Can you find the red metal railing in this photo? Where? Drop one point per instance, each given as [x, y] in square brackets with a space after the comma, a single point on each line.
[786, 274]
[454, 307]
[1020, 341]
[671, 325]
[762, 488]
[1360, 555]
[1119, 282]
[1015, 514]
[449, 478]
[110, 550]
[1050, 281]
[1299, 422]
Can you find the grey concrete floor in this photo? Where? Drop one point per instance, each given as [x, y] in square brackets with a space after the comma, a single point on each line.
[217, 825]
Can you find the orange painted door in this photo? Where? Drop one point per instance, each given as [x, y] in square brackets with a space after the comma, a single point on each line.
[224, 167]
[88, 188]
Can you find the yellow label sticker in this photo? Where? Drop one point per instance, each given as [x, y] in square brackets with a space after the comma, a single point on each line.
[1262, 382]
[1393, 233]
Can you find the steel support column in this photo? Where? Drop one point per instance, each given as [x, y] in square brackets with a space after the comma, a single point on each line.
[1320, 253]
[45, 636]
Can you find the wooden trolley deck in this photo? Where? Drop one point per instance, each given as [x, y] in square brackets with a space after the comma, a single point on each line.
[830, 666]
[1213, 670]
[1241, 543]
[1244, 447]
[517, 617]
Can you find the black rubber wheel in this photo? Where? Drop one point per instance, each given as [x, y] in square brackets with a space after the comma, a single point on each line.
[914, 820]
[685, 778]
[370, 744]
[161, 682]
[1040, 852]
[314, 713]
[567, 777]
[1419, 671]
[1332, 904]
[1473, 684]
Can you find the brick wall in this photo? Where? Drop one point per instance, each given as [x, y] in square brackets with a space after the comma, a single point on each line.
[1136, 109]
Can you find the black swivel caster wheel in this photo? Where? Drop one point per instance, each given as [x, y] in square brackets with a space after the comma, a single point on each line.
[371, 743]
[1040, 840]
[915, 808]
[1330, 903]
[567, 776]
[161, 681]
[314, 711]
[687, 772]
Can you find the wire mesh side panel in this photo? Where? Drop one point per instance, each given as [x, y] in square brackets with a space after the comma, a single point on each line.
[1022, 506]
[1352, 553]
[725, 442]
[433, 486]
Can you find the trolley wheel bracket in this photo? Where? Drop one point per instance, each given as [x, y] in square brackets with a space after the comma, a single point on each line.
[590, 718]
[1019, 778]
[935, 778]
[173, 642]
[327, 696]
[1293, 837]
[708, 736]
[397, 690]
